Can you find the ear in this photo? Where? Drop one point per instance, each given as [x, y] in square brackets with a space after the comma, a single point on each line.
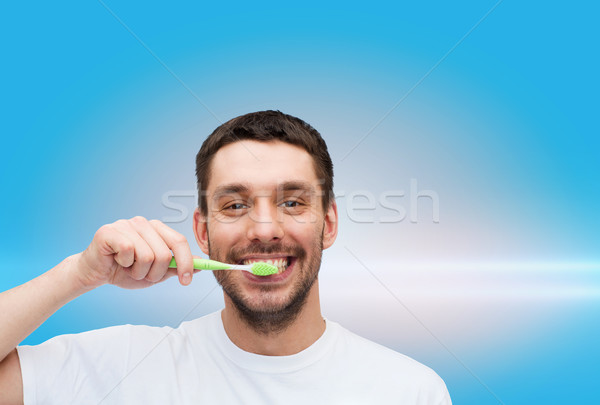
[330, 227]
[201, 230]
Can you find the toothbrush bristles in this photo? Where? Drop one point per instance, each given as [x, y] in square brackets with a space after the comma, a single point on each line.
[264, 269]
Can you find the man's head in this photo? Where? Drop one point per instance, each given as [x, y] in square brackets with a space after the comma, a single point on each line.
[263, 197]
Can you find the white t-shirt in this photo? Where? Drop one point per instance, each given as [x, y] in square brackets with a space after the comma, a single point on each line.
[196, 363]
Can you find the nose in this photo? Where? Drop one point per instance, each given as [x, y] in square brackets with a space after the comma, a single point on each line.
[264, 225]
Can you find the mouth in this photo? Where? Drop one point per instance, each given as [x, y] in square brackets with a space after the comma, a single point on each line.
[281, 262]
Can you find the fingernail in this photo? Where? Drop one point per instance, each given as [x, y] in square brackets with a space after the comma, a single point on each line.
[186, 278]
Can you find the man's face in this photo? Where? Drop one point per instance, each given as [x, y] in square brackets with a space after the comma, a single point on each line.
[265, 204]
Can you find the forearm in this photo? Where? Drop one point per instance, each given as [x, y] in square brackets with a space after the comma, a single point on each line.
[26, 307]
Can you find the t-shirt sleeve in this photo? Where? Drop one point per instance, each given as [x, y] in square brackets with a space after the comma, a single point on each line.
[75, 368]
[433, 390]
[445, 394]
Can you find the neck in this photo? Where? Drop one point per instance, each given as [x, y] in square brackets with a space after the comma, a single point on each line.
[306, 328]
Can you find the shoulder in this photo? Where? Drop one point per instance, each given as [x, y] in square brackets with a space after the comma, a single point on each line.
[389, 365]
[113, 341]
[138, 337]
[198, 328]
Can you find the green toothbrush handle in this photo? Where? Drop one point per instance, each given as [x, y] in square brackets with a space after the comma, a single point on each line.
[204, 264]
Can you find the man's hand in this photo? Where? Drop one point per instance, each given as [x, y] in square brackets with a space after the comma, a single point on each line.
[134, 253]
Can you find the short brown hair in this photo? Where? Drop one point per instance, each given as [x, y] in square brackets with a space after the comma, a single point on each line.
[265, 126]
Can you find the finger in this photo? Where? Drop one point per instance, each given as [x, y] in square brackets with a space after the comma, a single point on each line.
[143, 254]
[116, 245]
[162, 253]
[181, 250]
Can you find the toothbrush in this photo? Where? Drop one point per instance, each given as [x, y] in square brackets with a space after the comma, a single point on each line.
[258, 268]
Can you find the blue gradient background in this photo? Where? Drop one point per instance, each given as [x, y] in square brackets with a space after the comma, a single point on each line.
[501, 297]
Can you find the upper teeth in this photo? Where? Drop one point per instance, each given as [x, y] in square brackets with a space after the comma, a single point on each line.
[281, 263]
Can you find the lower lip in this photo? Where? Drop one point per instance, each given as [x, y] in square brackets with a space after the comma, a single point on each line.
[273, 278]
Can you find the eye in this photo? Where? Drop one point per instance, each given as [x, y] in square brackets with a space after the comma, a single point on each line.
[290, 204]
[235, 206]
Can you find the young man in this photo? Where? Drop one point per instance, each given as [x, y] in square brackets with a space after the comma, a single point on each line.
[265, 185]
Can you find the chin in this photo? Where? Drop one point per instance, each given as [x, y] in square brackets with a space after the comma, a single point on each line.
[267, 301]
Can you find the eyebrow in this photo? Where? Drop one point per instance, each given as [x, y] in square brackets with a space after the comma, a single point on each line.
[296, 185]
[233, 188]
[240, 188]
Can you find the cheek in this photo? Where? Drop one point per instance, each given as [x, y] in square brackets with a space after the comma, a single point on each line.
[307, 233]
[224, 232]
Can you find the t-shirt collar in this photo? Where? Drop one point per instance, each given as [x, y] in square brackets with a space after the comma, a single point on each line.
[274, 364]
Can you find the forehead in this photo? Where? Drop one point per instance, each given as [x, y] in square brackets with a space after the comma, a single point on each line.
[263, 165]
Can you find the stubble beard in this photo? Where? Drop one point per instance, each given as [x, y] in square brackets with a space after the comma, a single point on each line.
[265, 316]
